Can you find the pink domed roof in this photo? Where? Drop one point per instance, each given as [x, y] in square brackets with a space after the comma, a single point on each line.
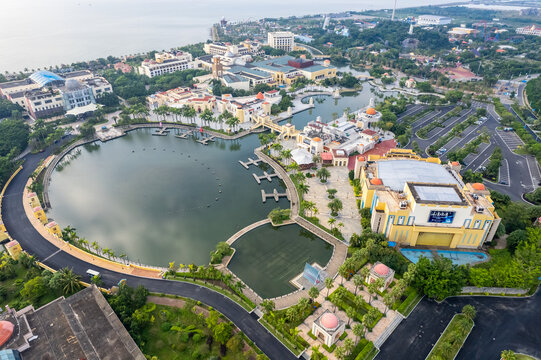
[329, 321]
[381, 269]
[6, 330]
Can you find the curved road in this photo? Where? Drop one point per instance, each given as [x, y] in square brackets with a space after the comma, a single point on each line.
[20, 228]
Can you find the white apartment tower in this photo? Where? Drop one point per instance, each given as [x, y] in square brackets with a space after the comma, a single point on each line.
[284, 40]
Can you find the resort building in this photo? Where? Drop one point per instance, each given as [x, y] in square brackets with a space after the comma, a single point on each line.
[47, 94]
[165, 63]
[529, 30]
[328, 328]
[433, 20]
[283, 40]
[416, 201]
[368, 117]
[125, 68]
[248, 108]
[244, 48]
[82, 326]
[458, 33]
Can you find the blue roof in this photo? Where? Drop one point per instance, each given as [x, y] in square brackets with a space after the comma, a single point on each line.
[44, 77]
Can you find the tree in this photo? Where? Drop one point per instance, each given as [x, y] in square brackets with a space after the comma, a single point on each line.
[340, 353]
[357, 281]
[286, 154]
[331, 222]
[316, 354]
[303, 189]
[335, 205]
[329, 283]
[323, 174]
[469, 311]
[508, 355]
[349, 345]
[222, 332]
[267, 305]
[372, 290]
[14, 134]
[439, 278]
[34, 289]
[350, 312]
[516, 238]
[313, 292]
[294, 332]
[331, 193]
[358, 330]
[343, 271]
[71, 282]
[388, 300]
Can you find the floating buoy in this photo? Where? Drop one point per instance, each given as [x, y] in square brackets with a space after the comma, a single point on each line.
[220, 191]
[208, 205]
[133, 151]
[219, 184]
[216, 199]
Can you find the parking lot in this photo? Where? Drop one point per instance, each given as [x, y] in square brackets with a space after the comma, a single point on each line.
[510, 138]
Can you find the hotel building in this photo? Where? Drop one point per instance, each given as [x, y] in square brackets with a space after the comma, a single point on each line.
[283, 40]
[165, 63]
[420, 202]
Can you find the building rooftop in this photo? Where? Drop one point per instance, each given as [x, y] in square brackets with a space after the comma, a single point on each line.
[44, 77]
[437, 194]
[396, 173]
[82, 326]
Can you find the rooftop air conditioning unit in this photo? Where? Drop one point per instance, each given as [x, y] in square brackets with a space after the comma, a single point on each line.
[403, 204]
[401, 196]
[479, 209]
[475, 196]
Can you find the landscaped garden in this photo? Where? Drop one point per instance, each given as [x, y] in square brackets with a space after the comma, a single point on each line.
[454, 336]
[356, 306]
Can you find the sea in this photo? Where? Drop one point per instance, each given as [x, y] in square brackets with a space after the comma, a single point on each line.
[42, 33]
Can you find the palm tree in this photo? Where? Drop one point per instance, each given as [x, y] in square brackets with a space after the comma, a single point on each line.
[95, 246]
[70, 281]
[358, 331]
[303, 189]
[294, 332]
[329, 283]
[267, 305]
[323, 174]
[239, 286]
[313, 292]
[286, 154]
[469, 311]
[331, 222]
[357, 281]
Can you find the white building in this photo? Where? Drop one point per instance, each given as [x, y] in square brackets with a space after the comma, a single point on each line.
[328, 328]
[431, 20]
[243, 48]
[165, 63]
[283, 40]
[529, 30]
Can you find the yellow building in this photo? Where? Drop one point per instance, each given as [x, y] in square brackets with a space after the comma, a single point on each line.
[54, 229]
[14, 249]
[416, 201]
[33, 199]
[40, 214]
[2, 227]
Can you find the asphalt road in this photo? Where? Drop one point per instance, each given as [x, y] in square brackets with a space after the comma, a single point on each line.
[501, 324]
[20, 228]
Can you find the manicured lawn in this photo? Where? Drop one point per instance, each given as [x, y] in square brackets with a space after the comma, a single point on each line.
[180, 333]
[524, 357]
[407, 302]
[452, 338]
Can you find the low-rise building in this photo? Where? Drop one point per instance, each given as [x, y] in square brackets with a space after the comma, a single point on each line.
[529, 30]
[82, 326]
[328, 328]
[283, 40]
[125, 68]
[244, 48]
[433, 20]
[165, 63]
[47, 94]
[420, 202]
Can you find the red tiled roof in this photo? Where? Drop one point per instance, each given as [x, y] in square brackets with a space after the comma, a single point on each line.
[326, 156]
[369, 132]
[380, 149]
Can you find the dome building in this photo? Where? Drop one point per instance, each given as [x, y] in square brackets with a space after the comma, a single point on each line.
[328, 328]
[380, 271]
[368, 117]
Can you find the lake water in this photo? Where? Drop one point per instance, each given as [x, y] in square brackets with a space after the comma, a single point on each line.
[268, 258]
[41, 33]
[154, 197]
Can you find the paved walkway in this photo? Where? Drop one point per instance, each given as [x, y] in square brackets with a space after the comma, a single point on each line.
[243, 231]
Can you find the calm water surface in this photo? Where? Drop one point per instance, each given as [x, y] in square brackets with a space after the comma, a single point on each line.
[154, 197]
[41, 33]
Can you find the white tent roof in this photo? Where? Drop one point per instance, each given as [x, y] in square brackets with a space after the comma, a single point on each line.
[301, 156]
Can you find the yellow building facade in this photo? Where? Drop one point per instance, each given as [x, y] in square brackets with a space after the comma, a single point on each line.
[420, 202]
[40, 214]
[14, 249]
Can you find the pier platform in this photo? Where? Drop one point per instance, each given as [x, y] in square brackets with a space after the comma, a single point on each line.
[250, 161]
[264, 176]
[275, 194]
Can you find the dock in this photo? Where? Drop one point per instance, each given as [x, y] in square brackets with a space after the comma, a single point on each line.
[161, 132]
[205, 140]
[275, 194]
[250, 161]
[185, 135]
[264, 176]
